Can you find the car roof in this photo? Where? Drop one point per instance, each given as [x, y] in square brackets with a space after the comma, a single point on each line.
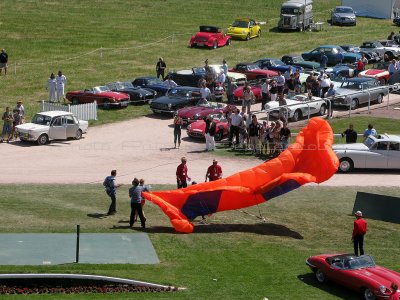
[341, 6]
[243, 19]
[186, 88]
[55, 113]
[360, 79]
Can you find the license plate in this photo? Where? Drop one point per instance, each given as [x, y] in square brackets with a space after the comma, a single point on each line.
[200, 44]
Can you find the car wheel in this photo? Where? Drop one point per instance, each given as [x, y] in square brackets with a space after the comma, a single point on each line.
[75, 101]
[354, 103]
[368, 294]
[248, 37]
[228, 42]
[320, 276]
[322, 110]
[43, 139]
[215, 45]
[346, 165]
[297, 115]
[218, 136]
[78, 134]
[380, 99]
[259, 33]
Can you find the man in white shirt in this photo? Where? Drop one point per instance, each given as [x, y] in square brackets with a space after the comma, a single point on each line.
[61, 81]
[205, 92]
[170, 83]
[265, 93]
[325, 84]
[236, 122]
[221, 78]
[51, 87]
[280, 82]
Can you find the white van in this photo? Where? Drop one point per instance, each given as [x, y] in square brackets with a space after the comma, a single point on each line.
[296, 15]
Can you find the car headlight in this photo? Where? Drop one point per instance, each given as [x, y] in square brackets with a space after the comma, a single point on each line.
[244, 32]
[189, 127]
[384, 290]
[196, 116]
[169, 105]
[140, 96]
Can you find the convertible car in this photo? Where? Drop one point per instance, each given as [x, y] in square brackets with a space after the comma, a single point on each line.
[376, 46]
[210, 36]
[341, 70]
[381, 152]
[137, 95]
[175, 99]
[358, 273]
[253, 71]
[298, 61]
[198, 128]
[191, 114]
[332, 53]
[153, 83]
[238, 93]
[244, 29]
[275, 65]
[379, 71]
[298, 107]
[102, 95]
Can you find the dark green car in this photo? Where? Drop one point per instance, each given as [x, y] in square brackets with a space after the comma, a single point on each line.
[298, 61]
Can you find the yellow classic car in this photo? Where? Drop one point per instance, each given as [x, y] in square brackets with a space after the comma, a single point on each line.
[244, 29]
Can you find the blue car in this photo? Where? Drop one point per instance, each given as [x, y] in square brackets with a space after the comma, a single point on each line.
[153, 83]
[335, 55]
[341, 70]
[275, 65]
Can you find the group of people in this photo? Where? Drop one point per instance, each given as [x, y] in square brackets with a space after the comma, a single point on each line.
[56, 87]
[10, 120]
[351, 135]
[214, 172]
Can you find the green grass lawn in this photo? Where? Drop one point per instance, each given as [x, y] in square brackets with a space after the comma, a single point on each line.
[94, 42]
[236, 257]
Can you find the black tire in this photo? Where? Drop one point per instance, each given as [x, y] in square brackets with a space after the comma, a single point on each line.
[380, 99]
[346, 165]
[322, 110]
[297, 115]
[219, 135]
[319, 276]
[368, 294]
[78, 134]
[259, 33]
[43, 139]
[75, 101]
[215, 44]
[228, 42]
[354, 103]
[248, 37]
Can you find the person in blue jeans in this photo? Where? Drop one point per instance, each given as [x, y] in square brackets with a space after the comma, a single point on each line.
[111, 189]
[135, 193]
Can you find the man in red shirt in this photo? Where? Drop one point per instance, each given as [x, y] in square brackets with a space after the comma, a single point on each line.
[360, 229]
[360, 67]
[181, 174]
[214, 172]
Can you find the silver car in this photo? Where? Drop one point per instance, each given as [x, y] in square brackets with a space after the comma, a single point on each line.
[343, 15]
[382, 152]
[355, 91]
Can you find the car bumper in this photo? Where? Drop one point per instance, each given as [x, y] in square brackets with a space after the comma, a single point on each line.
[201, 44]
[24, 136]
[238, 36]
[162, 111]
[345, 21]
[340, 102]
[195, 134]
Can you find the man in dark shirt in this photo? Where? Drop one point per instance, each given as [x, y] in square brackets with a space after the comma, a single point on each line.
[254, 133]
[160, 68]
[3, 61]
[285, 136]
[111, 189]
[135, 193]
[351, 135]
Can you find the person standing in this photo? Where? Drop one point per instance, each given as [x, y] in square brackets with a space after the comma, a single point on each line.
[351, 135]
[214, 172]
[236, 122]
[254, 133]
[3, 61]
[182, 174]
[160, 68]
[265, 93]
[285, 136]
[360, 67]
[21, 110]
[212, 130]
[51, 87]
[111, 189]
[370, 131]
[248, 98]
[225, 67]
[324, 61]
[280, 82]
[208, 121]
[135, 194]
[7, 118]
[392, 68]
[359, 230]
[61, 81]
[230, 90]
[391, 36]
[205, 92]
[178, 122]
[170, 83]
[273, 90]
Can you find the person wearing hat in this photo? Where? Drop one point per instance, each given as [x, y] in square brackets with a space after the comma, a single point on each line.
[214, 172]
[182, 174]
[360, 229]
[160, 68]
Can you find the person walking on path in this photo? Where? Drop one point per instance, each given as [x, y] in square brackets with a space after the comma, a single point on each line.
[135, 194]
[111, 189]
[51, 87]
[359, 230]
[160, 68]
[209, 133]
[61, 81]
[182, 176]
[3, 61]
[178, 122]
[214, 172]
[7, 118]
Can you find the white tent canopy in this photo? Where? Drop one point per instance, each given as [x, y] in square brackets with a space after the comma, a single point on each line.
[381, 9]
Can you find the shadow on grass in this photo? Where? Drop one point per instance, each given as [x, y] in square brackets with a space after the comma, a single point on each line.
[329, 287]
[97, 215]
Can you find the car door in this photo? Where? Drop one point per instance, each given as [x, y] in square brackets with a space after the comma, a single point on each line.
[394, 155]
[377, 157]
[253, 28]
[71, 126]
[87, 96]
[58, 129]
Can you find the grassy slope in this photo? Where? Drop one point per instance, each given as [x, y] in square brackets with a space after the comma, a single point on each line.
[250, 260]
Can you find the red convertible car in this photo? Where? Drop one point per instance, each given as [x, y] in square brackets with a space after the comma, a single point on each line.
[210, 36]
[101, 94]
[253, 71]
[379, 71]
[358, 273]
[238, 93]
[191, 114]
[197, 129]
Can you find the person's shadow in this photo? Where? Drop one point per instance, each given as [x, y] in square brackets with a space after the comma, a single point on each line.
[97, 215]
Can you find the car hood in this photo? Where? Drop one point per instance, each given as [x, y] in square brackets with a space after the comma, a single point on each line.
[32, 126]
[355, 146]
[275, 104]
[380, 275]
[374, 72]
[344, 15]
[343, 91]
[167, 100]
[193, 110]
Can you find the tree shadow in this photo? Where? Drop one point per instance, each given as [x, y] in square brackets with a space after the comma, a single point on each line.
[329, 287]
[97, 215]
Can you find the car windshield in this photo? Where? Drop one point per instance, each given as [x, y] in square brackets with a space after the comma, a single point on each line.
[100, 89]
[276, 62]
[344, 10]
[369, 142]
[240, 24]
[351, 85]
[154, 81]
[120, 85]
[177, 93]
[289, 11]
[41, 119]
[298, 59]
[252, 67]
[358, 262]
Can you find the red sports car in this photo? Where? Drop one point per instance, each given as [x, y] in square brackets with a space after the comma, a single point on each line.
[197, 129]
[238, 93]
[253, 71]
[191, 114]
[358, 273]
[210, 36]
[379, 71]
[102, 95]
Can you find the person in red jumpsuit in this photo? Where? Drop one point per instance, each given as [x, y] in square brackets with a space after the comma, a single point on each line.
[360, 229]
[214, 172]
[182, 174]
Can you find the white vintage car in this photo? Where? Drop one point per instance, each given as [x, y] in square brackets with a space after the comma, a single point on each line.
[52, 125]
[381, 152]
[298, 107]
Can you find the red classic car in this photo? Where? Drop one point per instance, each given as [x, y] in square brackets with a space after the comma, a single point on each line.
[379, 71]
[358, 273]
[101, 94]
[238, 93]
[191, 114]
[197, 129]
[210, 36]
[253, 71]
